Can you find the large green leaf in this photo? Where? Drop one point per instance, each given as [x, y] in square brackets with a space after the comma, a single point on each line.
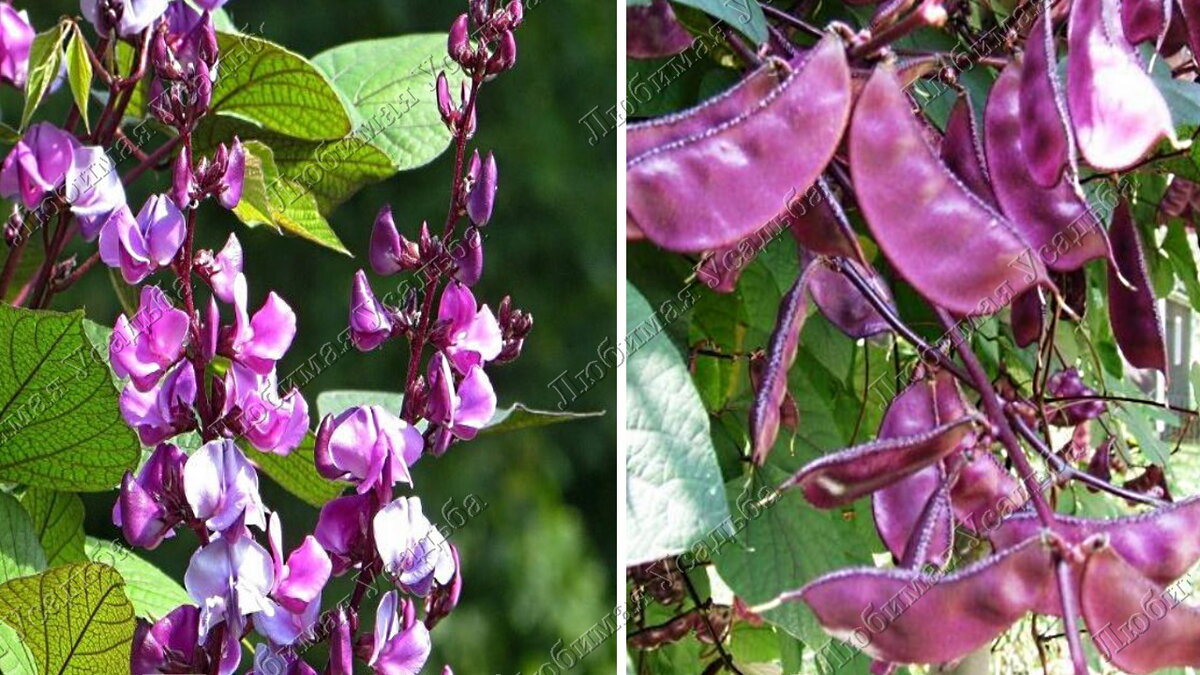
[334, 402]
[59, 423]
[45, 58]
[20, 553]
[15, 657]
[746, 16]
[389, 84]
[674, 494]
[75, 619]
[1179, 250]
[58, 521]
[276, 89]
[152, 592]
[297, 472]
[520, 416]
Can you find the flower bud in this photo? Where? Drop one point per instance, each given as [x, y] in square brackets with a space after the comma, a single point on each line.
[483, 193]
[459, 42]
[164, 62]
[234, 175]
[444, 597]
[468, 257]
[505, 56]
[479, 11]
[181, 179]
[12, 228]
[341, 646]
[202, 90]
[445, 102]
[207, 41]
[370, 325]
[388, 252]
[516, 14]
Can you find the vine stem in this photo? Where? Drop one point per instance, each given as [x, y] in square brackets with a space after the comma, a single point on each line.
[1070, 604]
[10, 264]
[1123, 399]
[151, 160]
[704, 615]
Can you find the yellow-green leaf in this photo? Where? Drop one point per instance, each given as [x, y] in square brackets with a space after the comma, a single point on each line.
[79, 74]
[20, 553]
[45, 59]
[152, 592]
[58, 521]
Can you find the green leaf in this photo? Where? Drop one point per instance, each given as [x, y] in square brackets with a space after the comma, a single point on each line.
[20, 553]
[45, 59]
[267, 85]
[744, 15]
[269, 199]
[9, 135]
[79, 74]
[31, 257]
[674, 495]
[60, 427]
[152, 592]
[1182, 97]
[58, 521]
[519, 416]
[389, 85]
[334, 402]
[15, 657]
[1179, 251]
[297, 472]
[75, 619]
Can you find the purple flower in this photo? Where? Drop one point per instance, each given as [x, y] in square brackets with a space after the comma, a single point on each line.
[464, 408]
[37, 164]
[136, 15]
[211, 5]
[92, 185]
[367, 445]
[472, 335]
[414, 552]
[138, 247]
[171, 645]
[230, 189]
[16, 39]
[296, 597]
[401, 644]
[389, 252]
[164, 410]
[271, 423]
[227, 266]
[152, 504]
[146, 347]
[270, 660]
[230, 579]
[444, 597]
[468, 257]
[341, 645]
[370, 325]
[222, 488]
[259, 342]
[482, 197]
[342, 530]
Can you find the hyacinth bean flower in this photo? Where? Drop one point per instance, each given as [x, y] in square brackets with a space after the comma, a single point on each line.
[171, 645]
[414, 552]
[146, 347]
[402, 644]
[16, 40]
[367, 445]
[342, 530]
[222, 488]
[37, 164]
[92, 185]
[463, 408]
[226, 268]
[164, 410]
[229, 190]
[230, 579]
[270, 660]
[482, 197]
[472, 334]
[153, 503]
[370, 325]
[140, 246]
[258, 342]
[389, 252]
[136, 15]
[295, 600]
[272, 423]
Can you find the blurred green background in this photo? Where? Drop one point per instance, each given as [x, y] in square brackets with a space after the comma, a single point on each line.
[540, 559]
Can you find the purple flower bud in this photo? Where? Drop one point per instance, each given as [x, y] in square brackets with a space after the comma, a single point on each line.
[16, 40]
[483, 193]
[389, 252]
[166, 409]
[459, 41]
[444, 597]
[134, 15]
[398, 649]
[279, 660]
[468, 257]
[230, 194]
[37, 164]
[182, 180]
[206, 41]
[341, 646]
[367, 445]
[202, 84]
[506, 55]
[369, 322]
[479, 11]
[164, 62]
[258, 342]
[171, 645]
[342, 530]
[152, 505]
[146, 347]
[445, 103]
[516, 13]
[222, 487]
[210, 331]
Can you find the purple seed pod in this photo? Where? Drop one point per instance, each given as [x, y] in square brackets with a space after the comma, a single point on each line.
[942, 238]
[1073, 287]
[483, 190]
[711, 189]
[1113, 595]
[1028, 311]
[980, 602]
[1146, 19]
[653, 32]
[781, 353]
[1114, 126]
[1151, 482]
[789, 413]
[1177, 200]
[1056, 221]
[963, 153]
[1133, 313]
[1100, 465]
[983, 490]
[1046, 140]
[933, 541]
[888, 11]
[819, 224]
[844, 306]
[841, 477]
